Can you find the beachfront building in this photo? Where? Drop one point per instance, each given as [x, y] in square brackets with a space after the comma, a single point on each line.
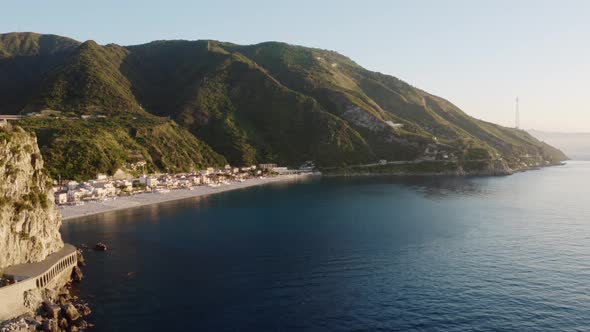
[103, 187]
[204, 179]
[125, 185]
[267, 166]
[71, 185]
[280, 170]
[61, 197]
[150, 181]
[75, 195]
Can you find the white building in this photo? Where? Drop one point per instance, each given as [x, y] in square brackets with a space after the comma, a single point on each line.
[72, 185]
[280, 170]
[61, 197]
[149, 181]
[77, 194]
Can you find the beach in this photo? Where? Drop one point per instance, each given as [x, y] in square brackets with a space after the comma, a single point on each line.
[127, 202]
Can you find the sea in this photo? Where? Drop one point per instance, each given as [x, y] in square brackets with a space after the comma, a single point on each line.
[508, 253]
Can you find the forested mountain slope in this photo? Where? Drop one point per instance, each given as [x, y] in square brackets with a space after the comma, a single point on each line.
[270, 102]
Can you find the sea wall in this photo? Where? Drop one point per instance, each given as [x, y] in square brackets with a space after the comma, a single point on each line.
[26, 294]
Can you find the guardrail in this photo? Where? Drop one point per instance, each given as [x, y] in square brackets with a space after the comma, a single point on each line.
[66, 263]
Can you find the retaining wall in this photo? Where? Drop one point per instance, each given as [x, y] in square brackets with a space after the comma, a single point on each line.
[53, 272]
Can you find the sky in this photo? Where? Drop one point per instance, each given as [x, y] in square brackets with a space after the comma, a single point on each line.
[480, 55]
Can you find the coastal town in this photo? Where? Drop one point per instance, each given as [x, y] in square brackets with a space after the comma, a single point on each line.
[104, 188]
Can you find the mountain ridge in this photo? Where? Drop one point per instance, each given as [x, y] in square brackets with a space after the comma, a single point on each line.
[267, 102]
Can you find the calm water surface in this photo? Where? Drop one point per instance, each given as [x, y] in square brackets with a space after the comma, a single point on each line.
[426, 254]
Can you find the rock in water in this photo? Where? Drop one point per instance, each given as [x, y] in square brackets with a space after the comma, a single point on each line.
[100, 247]
[80, 258]
[29, 219]
[77, 274]
[70, 312]
[85, 310]
[52, 310]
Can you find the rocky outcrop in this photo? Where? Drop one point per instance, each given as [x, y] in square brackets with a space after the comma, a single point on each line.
[29, 219]
[361, 118]
[58, 310]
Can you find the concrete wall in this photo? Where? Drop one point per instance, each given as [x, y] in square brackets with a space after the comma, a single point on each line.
[12, 299]
[54, 276]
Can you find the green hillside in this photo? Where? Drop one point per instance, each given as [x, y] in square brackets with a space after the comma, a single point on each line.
[270, 102]
[78, 149]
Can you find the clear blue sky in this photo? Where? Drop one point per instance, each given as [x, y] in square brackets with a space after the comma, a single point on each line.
[478, 54]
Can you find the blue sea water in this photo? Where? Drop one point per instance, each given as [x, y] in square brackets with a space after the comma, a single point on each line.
[360, 254]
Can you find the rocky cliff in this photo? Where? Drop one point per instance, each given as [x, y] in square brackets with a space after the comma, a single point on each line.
[29, 219]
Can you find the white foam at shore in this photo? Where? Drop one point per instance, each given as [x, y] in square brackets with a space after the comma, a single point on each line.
[126, 202]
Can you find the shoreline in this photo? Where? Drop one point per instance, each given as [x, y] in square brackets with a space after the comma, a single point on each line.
[456, 172]
[127, 202]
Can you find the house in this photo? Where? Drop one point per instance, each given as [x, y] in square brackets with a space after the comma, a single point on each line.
[61, 197]
[104, 188]
[280, 170]
[124, 185]
[205, 179]
[72, 185]
[267, 166]
[149, 181]
[308, 166]
[77, 194]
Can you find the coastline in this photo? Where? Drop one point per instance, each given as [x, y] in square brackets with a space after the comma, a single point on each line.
[435, 168]
[144, 199]
[128, 202]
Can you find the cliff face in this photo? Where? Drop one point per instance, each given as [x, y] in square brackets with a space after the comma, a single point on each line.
[29, 219]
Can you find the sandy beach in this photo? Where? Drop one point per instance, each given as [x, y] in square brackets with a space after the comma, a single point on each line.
[126, 202]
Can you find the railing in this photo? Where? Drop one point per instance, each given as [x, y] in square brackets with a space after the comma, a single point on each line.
[10, 117]
[65, 263]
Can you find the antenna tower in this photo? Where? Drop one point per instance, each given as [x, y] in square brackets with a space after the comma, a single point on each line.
[517, 116]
